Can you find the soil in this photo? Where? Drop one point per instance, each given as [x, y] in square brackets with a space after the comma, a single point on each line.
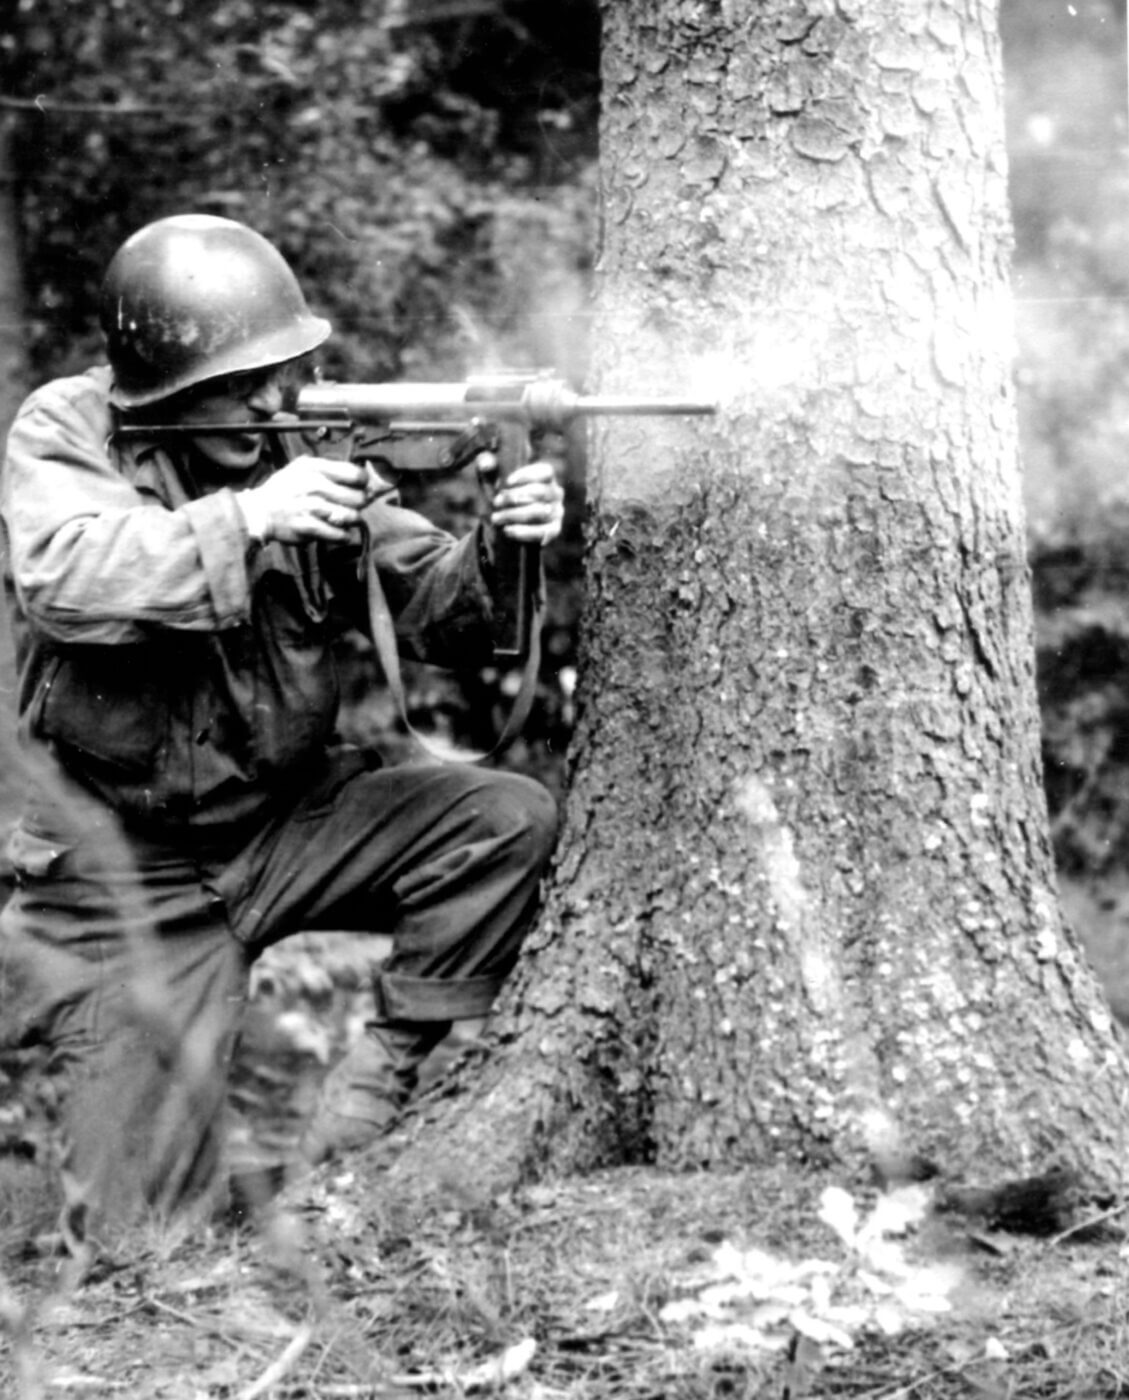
[628, 1284]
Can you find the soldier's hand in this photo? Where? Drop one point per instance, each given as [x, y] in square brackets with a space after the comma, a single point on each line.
[311, 498]
[530, 507]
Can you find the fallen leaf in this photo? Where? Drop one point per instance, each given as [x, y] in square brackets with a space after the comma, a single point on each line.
[817, 1330]
[837, 1209]
[603, 1302]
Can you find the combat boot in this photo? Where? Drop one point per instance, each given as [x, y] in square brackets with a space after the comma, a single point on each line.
[364, 1095]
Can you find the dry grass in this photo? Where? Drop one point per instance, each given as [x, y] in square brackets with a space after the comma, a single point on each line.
[344, 1294]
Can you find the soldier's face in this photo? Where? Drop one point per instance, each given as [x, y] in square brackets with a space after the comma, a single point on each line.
[253, 397]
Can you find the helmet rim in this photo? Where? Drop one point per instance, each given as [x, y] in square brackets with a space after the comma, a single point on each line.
[262, 356]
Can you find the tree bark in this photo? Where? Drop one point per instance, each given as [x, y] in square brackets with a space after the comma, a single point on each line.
[13, 330]
[804, 901]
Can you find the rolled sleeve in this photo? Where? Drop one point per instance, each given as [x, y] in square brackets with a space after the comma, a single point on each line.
[222, 539]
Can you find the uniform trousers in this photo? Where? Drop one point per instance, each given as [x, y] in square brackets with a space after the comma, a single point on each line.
[129, 957]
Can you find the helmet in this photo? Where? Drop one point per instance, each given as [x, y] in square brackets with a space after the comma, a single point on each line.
[191, 297]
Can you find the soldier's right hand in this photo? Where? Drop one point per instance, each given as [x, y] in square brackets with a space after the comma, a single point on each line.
[311, 498]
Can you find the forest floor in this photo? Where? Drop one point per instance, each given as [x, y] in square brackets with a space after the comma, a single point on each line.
[623, 1285]
[627, 1285]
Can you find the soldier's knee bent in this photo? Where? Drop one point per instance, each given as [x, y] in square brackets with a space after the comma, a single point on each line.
[525, 804]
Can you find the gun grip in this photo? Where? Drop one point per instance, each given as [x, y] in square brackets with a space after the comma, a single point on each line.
[517, 573]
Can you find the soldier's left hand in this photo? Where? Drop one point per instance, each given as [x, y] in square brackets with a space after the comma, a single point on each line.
[530, 507]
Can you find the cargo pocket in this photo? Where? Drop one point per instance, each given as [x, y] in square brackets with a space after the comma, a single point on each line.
[109, 708]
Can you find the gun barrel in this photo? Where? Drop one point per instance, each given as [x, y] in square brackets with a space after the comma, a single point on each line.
[591, 405]
[534, 401]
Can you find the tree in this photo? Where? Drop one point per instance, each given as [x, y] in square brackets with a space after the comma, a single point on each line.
[804, 900]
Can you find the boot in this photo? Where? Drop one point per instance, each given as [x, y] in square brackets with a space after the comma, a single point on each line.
[364, 1095]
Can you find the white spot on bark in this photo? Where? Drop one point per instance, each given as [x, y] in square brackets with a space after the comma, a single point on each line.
[790, 900]
[1101, 1021]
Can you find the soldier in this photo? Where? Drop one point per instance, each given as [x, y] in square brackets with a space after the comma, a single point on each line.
[174, 600]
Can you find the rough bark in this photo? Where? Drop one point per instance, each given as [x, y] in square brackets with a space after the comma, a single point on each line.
[804, 901]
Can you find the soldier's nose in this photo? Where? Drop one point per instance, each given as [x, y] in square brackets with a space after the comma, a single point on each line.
[267, 399]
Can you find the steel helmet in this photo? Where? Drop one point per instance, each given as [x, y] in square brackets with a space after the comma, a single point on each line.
[192, 297]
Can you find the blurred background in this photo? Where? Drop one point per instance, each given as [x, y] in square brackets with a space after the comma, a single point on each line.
[429, 169]
[1066, 102]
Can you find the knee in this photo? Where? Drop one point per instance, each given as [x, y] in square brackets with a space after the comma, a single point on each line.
[544, 820]
[527, 812]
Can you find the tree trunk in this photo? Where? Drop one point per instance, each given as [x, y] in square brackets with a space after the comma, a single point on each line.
[13, 386]
[13, 329]
[804, 900]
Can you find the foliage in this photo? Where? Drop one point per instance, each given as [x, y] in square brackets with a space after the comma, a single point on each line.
[372, 151]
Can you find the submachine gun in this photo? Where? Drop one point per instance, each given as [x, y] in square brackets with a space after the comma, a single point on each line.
[443, 427]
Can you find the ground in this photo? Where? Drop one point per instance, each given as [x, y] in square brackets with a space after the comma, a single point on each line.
[591, 1289]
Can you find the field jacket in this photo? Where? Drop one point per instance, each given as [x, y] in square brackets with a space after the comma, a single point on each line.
[179, 670]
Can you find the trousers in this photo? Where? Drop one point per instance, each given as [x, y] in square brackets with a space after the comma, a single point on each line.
[129, 958]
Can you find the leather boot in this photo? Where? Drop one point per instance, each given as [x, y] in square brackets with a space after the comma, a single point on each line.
[364, 1095]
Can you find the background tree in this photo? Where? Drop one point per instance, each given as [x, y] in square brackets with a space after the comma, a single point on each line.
[804, 902]
[14, 377]
[1067, 108]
